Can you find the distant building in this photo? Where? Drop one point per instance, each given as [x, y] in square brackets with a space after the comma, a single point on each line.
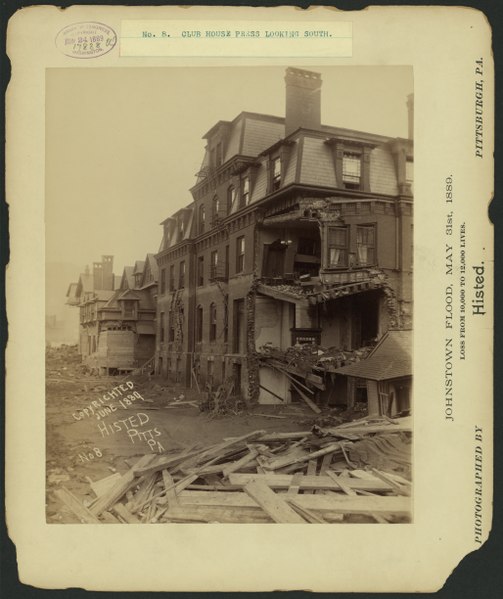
[297, 233]
[117, 315]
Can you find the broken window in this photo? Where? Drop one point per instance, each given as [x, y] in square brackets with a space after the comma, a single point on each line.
[337, 247]
[199, 324]
[276, 174]
[240, 254]
[213, 322]
[181, 275]
[200, 271]
[351, 170]
[365, 244]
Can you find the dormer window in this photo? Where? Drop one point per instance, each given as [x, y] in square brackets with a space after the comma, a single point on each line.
[276, 174]
[181, 228]
[351, 170]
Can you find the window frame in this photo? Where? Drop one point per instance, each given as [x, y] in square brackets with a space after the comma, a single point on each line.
[349, 180]
[276, 176]
[201, 219]
[200, 271]
[181, 275]
[171, 277]
[213, 263]
[199, 323]
[240, 254]
[245, 191]
[344, 248]
[213, 322]
[368, 227]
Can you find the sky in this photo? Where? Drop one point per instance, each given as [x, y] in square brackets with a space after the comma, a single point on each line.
[123, 144]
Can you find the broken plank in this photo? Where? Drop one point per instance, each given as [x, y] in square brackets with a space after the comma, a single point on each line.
[83, 514]
[272, 504]
[169, 487]
[121, 486]
[244, 461]
[309, 482]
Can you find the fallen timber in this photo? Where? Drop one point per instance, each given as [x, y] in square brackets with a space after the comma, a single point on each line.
[306, 477]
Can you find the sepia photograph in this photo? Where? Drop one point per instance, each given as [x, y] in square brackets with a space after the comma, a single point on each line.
[266, 263]
[229, 295]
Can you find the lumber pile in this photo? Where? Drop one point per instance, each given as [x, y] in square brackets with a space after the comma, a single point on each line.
[315, 477]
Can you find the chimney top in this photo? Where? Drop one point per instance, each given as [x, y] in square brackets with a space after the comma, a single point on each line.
[303, 100]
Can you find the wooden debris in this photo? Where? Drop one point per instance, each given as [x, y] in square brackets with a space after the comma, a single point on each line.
[272, 504]
[292, 477]
[83, 514]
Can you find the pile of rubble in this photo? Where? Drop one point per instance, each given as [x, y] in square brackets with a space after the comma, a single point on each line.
[306, 357]
[317, 476]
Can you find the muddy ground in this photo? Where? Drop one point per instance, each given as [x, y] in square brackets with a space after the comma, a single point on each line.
[83, 448]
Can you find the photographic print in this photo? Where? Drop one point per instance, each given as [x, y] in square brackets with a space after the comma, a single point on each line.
[254, 362]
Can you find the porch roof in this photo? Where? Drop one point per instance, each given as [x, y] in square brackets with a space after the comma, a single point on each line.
[390, 359]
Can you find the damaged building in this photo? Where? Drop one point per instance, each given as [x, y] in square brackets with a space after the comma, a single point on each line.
[117, 315]
[293, 259]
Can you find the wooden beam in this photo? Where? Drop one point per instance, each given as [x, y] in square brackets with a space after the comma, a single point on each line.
[335, 503]
[272, 504]
[244, 461]
[310, 482]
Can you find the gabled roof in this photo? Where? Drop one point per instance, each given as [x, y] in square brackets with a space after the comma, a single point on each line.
[139, 265]
[391, 358]
[150, 272]
[86, 283]
[127, 279]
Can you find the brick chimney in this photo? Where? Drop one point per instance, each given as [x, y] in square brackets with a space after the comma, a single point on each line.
[410, 109]
[108, 275]
[97, 276]
[303, 100]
